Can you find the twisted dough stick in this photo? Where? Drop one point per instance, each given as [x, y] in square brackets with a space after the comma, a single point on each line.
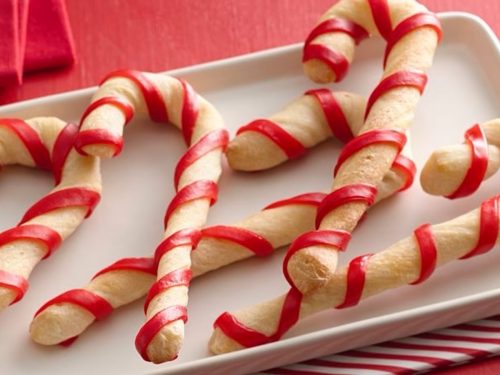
[411, 43]
[314, 117]
[63, 318]
[165, 99]
[457, 171]
[307, 121]
[46, 143]
[409, 261]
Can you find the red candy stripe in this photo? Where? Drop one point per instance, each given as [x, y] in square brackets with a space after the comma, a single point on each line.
[183, 237]
[61, 149]
[61, 199]
[356, 277]
[382, 17]
[333, 113]
[410, 24]
[309, 199]
[124, 106]
[284, 140]
[31, 140]
[476, 140]
[346, 194]
[155, 324]
[201, 189]
[146, 265]
[156, 105]
[178, 277]
[428, 252]
[190, 111]
[49, 237]
[335, 60]
[248, 239]
[98, 136]
[408, 167]
[94, 304]
[488, 228]
[15, 282]
[416, 80]
[355, 31]
[338, 239]
[209, 142]
[248, 337]
[367, 139]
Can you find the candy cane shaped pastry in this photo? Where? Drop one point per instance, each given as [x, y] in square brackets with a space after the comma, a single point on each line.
[63, 318]
[409, 261]
[164, 99]
[457, 171]
[45, 143]
[307, 121]
[412, 34]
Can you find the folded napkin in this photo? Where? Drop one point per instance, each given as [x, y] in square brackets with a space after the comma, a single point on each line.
[34, 35]
[416, 354]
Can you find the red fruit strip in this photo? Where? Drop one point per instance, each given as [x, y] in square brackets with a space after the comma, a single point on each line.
[183, 237]
[49, 237]
[201, 189]
[178, 277]
[416, 80]
[338, 239]
[155, 324]
[146, 265]
[190, 111]
[333, 113]
[248, 337]
[478, 145]
[15, 282]
[93, 303]
[367, 139]
[69, 197]
[428, 252]
[356, 277]
[488, 228]
[344, 195]
[410, 24]
[284, 140]
[310, 199]
[211, 141]
[250, 240]
[31, 140]
[382, 17]
[152, 97]
[61, 149]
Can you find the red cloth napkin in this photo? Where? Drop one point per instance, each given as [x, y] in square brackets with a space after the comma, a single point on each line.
[34, 35]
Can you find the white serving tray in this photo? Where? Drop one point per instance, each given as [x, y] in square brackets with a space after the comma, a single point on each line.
[464, 88]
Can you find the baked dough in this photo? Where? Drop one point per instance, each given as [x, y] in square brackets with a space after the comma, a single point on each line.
[46, 143]
[169, 100]
[409, 261]
[457, 171]
[412, 34]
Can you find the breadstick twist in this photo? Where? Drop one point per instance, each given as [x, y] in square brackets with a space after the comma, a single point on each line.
[457, 171]
[63, 318]
[45, 143]
[307, 121]
[412, 35]
[164, 99]
[409, 261]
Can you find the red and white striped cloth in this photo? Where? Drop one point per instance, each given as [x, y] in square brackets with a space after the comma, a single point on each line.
[416, 354]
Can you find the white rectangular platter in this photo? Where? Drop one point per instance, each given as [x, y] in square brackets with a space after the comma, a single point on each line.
[464, 88]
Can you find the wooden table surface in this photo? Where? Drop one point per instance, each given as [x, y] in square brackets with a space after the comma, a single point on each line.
[158, 35]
